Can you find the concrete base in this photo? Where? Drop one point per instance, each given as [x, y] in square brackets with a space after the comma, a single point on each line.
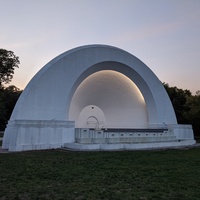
[23, 135]
[127, 139]
[125, 146]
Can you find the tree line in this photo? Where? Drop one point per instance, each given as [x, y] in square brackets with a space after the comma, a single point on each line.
[8, 94]
[186, 105]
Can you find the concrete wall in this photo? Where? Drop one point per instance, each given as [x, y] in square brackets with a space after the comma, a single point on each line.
[38, 134]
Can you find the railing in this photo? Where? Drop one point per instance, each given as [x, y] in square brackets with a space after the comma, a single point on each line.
[123, 136]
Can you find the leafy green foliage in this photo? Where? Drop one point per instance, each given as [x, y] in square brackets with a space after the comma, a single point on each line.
[8, 99]
[194, 113]
[9, 95]
[8, 62]
[179, 99]
[163, 175]
[186, 106]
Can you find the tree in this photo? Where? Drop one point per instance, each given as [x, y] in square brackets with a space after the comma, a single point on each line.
[8, 62]
[2, 110]
[186, 106]
[194, 114]
[8, 99]
[179, 99]
[8, 95]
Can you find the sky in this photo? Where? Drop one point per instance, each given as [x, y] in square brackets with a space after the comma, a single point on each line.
[164, 34]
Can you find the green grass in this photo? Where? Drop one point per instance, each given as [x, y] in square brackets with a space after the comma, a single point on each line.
[140, 175]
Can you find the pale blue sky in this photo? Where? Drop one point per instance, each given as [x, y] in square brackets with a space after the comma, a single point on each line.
[164, 34]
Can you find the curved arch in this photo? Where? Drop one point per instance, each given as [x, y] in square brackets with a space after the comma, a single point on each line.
[61, 76]
[153, 114]
[91, 112]
[48, 95]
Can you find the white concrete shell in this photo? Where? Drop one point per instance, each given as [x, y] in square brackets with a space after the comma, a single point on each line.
[116, 95]
[125, 91]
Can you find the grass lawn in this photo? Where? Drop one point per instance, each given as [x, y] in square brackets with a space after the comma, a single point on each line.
[140, 175]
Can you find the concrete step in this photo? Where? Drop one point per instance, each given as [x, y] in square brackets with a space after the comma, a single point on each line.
[125, 140]
[126, 146]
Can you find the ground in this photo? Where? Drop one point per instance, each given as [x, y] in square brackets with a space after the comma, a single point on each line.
[56, 174]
